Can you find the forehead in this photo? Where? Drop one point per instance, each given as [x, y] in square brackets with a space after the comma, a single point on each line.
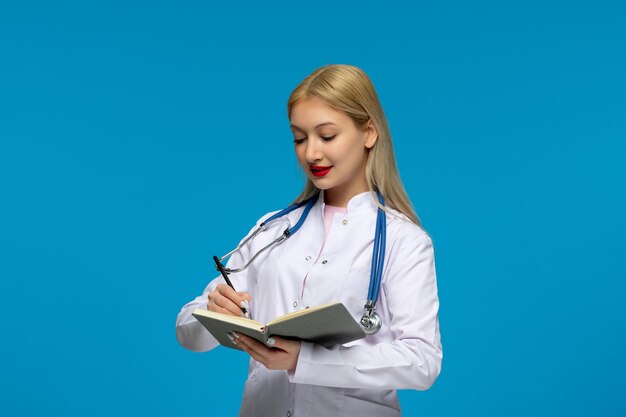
[309, 112]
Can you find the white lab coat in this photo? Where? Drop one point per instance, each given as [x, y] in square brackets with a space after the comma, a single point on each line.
[359, 378]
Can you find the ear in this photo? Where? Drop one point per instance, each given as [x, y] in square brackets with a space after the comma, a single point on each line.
[371, 134]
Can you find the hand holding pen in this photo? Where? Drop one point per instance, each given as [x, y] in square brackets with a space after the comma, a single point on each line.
[225, 299]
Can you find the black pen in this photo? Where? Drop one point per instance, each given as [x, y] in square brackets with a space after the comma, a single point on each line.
[230, 284]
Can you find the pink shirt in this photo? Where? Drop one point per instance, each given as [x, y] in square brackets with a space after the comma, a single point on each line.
[329, 214]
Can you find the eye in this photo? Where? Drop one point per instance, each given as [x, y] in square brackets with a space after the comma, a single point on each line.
[328, 138]
[298, 141]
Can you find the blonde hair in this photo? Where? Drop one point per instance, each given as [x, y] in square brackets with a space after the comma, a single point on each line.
[348, 89]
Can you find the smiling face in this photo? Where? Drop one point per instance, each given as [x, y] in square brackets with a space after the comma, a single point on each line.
[331, 149]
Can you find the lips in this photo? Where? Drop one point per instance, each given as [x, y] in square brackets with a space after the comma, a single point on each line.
[320, 171]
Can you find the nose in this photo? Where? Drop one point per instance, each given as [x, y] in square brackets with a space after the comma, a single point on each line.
[313, 151]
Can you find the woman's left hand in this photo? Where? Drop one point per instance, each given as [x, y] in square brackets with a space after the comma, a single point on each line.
[282, 354]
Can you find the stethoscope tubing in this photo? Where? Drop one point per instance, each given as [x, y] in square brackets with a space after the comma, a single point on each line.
[370, 321]
[378, 259]
[288, 232]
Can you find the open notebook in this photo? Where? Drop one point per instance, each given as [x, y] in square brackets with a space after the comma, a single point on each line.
[327, 325]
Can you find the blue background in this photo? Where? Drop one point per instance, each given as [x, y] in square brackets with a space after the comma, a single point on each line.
[138, 139]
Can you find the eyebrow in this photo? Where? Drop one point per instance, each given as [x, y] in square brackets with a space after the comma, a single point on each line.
[321, 124]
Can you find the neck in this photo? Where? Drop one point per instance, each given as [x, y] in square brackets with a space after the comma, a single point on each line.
[340, 195]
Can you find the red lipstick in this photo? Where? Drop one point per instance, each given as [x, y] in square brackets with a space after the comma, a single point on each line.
[320, 171]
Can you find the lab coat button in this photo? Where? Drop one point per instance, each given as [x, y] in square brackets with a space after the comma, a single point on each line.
[325, 261]
[295, 304]
[308, 258]
[344, 222]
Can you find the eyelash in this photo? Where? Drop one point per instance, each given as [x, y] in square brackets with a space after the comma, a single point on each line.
[326, 138]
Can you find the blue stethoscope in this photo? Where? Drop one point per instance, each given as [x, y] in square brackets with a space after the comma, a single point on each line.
[371, 321]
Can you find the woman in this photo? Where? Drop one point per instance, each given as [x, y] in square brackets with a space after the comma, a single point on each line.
[343, 143]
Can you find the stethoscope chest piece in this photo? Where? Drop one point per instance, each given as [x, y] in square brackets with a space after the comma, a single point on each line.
[371, 324]
[371, 321]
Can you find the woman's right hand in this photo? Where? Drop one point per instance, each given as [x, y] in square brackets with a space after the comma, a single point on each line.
[225, 300]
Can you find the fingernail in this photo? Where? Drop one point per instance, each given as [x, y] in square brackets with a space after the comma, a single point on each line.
[271, 341]
[244, 304]
[235, 334]
[230, 337]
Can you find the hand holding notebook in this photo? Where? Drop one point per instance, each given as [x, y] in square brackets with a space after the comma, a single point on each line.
[326, 325]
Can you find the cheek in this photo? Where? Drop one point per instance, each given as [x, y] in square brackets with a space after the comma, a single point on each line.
[349, 156]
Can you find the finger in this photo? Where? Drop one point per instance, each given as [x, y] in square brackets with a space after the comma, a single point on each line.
[280, 343]
[219, 309]
[212, 306]
[228, 292]
[254, 345]
[236, 297]
[225, 304]
[244, 303]
[254, 355]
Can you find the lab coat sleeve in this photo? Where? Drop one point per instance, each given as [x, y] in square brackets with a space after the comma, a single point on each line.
[189, 332]
[413, 359]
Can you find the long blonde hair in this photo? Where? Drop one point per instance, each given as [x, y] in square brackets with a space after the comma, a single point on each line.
[348, 89]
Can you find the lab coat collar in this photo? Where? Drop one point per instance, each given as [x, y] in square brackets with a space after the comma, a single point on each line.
[360, 202]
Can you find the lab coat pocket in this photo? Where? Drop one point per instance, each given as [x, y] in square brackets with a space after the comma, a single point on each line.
[354, 291]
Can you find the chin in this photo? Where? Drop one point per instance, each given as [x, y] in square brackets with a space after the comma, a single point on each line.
[321, 184]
